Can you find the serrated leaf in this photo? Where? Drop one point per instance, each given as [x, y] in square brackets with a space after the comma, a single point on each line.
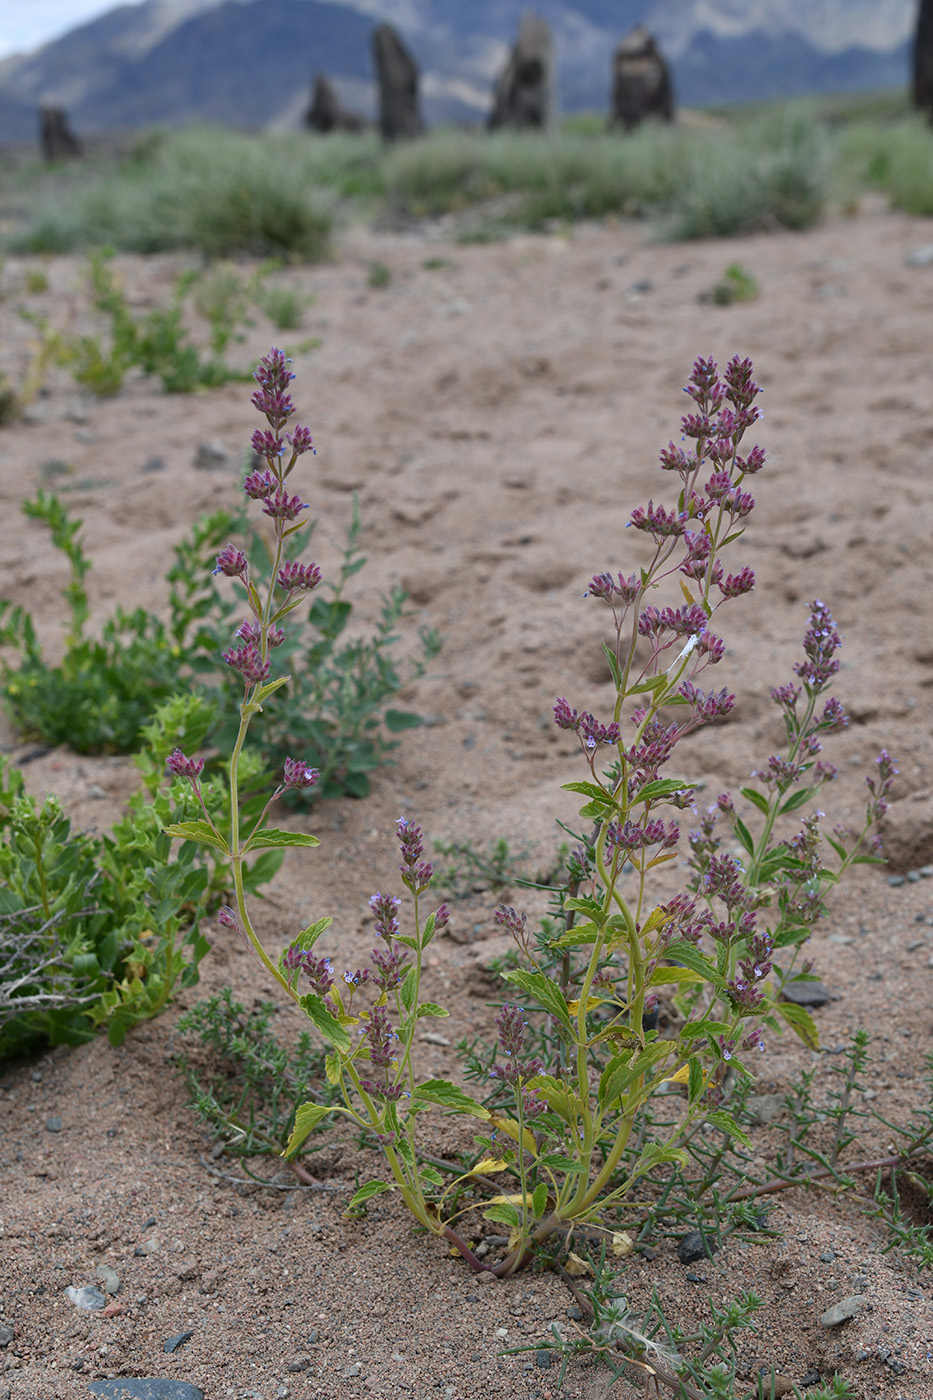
[589, 790]
[307, 1117]
[447, 1095]
[660, 787]
[510, 1127]
[328, 1025]
[547, 993]
[727, 1124]
[666, 976]
[431, 1175]
[575, 936]
[699, 1030]
[695, 1080]
[585, 904]
[270, 836]
[200, 832]
[539, 1200]
[757, 799]
[430, 1008]
[800, 1021]
[332, 1069]
[372, 1188]
[690, 955]
[657, 919]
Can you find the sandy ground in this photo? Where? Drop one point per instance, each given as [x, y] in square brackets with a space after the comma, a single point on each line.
[499, 416]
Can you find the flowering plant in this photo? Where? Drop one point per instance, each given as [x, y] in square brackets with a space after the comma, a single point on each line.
[566, 1116]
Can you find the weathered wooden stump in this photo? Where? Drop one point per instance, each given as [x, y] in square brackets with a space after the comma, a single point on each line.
[923, 60]
[641, 82]
[56, 137]
[523, 96]
[397, 74]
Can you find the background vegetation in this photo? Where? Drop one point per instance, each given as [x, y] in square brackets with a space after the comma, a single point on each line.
[721, 172]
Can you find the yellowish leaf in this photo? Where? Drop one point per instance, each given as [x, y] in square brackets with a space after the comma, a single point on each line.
[510, 1126]
[680, 1076]
[591, 1004]
[487, 1165]
[622, 1244]
[686, 592]
[516, 1235]
[577, 1267]
[656, 919]
[516, 1200]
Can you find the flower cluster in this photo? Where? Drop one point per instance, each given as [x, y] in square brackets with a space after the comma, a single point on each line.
[511, 1025]
[416, 873]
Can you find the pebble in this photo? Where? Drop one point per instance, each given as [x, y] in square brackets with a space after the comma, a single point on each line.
[53, 1125]
[6, 1334]
[312, 1337]
[693, 1247]
[914, 944]
[827, 1256]
[895, 880]
[95, 791]
[299, 1363]
[108, 1277]
[926, 871]
[353, 1370]
[806, 993]
[89, 1298]
[811, 1378]
[146, 1388]
[179, 1339]
[764, 1108]
[153, 464]
[842, 1311]
[920, 257]
[543, 1359]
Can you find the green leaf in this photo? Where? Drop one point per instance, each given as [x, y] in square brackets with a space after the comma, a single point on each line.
[690, 955]
[757, 799]
[409, 988]
[307, 1118]
[200, 832]
[504, 1212]
[270, 688]
[727, 1124]
[613, 664]
[696, 1080]
[558, 1163]
[365, 1193]
[547, 993]
[585, 904]
[397, 720]
[328, 1025]
[796, 799]
[800, 1021]
[623, 1070]
[579, 933]
[271, 836]
[431, 1176]
[590, 790]
[744, 835]
[430, 1008]
[661, 787]
[557, 1096]
[698, 1030]
[428, 931]
[441, 1091]
[539, 1200]
[332, 1069]
[666, 976]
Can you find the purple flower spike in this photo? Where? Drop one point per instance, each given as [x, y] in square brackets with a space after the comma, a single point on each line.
[267, 444]
[385, 907]
[820, 643]
[294, 578]
[182, 767]
[380, 1036]
[298, 775]
[232, 562]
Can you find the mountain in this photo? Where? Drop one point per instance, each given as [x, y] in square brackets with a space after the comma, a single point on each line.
[249, 62]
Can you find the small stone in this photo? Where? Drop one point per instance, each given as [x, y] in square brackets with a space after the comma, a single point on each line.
[843, 939]
[434, 1038]
[211, 454]
[842, 1311]
[827, 1256]
[502, 1332]
[179, 1339]
[146, 1388]
[89, 1298]
[914, 877]
[6, 1334]
[806, 993]
[543, 1359]
[153, 464]
[353, 1370]
[691, 1277]
[299, 1363]
[575, 1314]
[693, 1247]
[914, 944]
[95, 791]
[925, 872]
[811, 1378]
[914, 1294]
[187, 1269]
[920, 257]
[53, 1125]
[764, 1108]
[312, 1337]
[896, 880]
[109, 1278]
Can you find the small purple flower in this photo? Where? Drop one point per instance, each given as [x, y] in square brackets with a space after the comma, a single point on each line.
[734, 585]
[594, 733]
[745, 997]
[657, 521]
[722, 881]
[416, 873]
[266, 444]
[298, 775]
[511, 1025]
[293, 577]
[227, 918]
[834, 716]
[282, 506]
[753, 1041]
[511, 920]
[232, 562]
[384, 907]
[675, 459]
[248, 661]
[259, 485]
[301, 440]
[389, 1093]
[441, 918]
[726, 1047]
[564, 716]
[181, 766]
[532, 1106]
[319, 972]
[389, 967]
[820, 643]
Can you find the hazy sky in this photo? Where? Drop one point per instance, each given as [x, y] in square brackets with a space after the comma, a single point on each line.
[26, 25]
